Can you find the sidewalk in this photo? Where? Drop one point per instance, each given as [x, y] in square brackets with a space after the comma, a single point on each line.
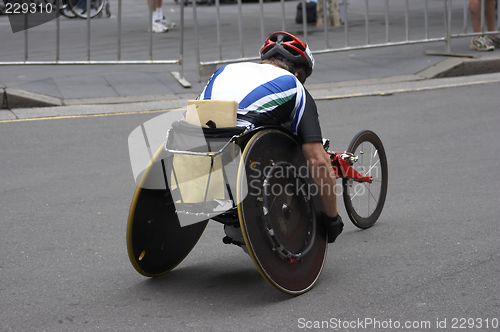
[149, 87]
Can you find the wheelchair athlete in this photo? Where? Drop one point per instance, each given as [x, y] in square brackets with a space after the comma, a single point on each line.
[272, 93]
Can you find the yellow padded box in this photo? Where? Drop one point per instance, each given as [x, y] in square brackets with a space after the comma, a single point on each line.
[192, 171]
[221, 112]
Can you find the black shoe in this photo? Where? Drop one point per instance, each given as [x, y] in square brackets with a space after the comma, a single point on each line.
[334, 226]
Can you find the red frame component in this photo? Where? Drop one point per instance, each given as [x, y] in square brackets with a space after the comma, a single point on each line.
[344, 170]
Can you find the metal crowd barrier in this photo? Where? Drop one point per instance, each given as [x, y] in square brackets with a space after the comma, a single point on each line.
[179, 75]
[205, 68]
[464, 33]
[356, 25]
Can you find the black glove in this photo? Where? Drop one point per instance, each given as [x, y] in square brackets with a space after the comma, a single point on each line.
[334, 226]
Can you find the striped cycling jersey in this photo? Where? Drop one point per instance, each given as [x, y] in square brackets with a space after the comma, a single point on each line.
[267, 95]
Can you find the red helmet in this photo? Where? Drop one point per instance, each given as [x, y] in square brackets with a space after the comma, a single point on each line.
[283, 44]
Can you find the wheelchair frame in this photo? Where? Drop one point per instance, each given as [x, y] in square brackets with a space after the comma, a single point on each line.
[277, 264]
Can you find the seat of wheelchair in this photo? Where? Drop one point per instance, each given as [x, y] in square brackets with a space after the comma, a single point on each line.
[203, 161]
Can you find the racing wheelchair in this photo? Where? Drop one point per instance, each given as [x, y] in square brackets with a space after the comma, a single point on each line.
[256, 181]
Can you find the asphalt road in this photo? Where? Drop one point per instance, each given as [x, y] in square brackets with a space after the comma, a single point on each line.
[432, 260]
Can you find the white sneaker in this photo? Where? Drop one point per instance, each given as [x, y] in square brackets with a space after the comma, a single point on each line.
[481, 44]
[159, 27]
[167, 23]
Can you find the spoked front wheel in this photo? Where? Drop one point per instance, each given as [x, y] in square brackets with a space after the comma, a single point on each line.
[364, 201]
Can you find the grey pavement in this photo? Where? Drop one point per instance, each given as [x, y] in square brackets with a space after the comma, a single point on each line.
[433, 255]
[50, 90]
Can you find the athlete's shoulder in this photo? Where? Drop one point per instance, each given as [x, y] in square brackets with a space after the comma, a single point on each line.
[241, 66]
[257, 68]
[251, 75]
[239, 69]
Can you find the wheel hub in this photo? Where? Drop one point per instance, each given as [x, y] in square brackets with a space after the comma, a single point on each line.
[286, 210]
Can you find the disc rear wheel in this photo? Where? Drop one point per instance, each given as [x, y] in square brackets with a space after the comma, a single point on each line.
[156, 242]
[277, 215]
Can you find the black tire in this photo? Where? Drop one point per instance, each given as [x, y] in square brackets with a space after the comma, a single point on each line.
[79, 7]
[364, 201]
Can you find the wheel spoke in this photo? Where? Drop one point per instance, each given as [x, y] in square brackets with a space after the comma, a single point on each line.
[355, 194]
[375, 199]
[358, 194]
[369, 171]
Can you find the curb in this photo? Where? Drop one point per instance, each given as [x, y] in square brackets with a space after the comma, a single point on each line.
[326, 93]
[25, 104]
[403, 86]
[127, 99]
[89, 110]
[15, 98]
[21, 99]
[455, 67]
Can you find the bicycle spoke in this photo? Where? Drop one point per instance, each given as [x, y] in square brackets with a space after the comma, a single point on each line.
[369, 171]
[375, 199]
[357, 194]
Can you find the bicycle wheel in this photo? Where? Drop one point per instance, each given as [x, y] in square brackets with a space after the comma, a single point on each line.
[79, 7]
[364, 201]
[63, 8]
